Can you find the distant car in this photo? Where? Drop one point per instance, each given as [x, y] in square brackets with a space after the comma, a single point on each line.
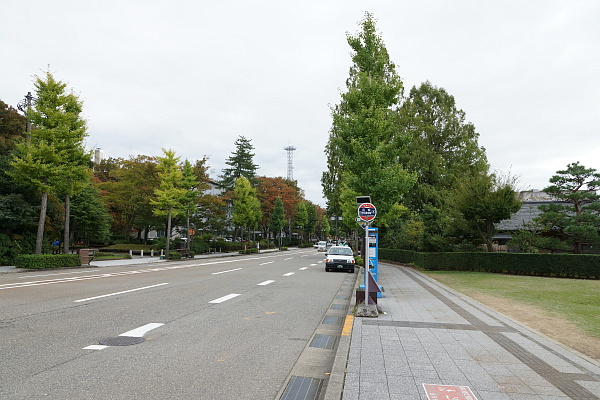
[322, 246]
[340, 258]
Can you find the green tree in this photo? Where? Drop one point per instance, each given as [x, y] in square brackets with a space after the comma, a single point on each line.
[301, 218]
[311, 220]
[485, 200]
[241, 164]
[90, 217]
[170, 195]
[365, 139]
[128, 186]
[443, 148]
[246, 207]
[53, 159]
[277, 219]
[577, 219]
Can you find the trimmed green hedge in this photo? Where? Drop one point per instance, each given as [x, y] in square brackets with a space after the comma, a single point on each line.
[42, 261]
[583, 266]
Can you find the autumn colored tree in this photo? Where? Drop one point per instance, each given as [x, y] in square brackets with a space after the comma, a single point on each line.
[269, 189]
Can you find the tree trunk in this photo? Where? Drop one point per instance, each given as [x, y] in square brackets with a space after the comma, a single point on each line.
[40, 232]
[67, 235]
[489, 225]
[168, 234]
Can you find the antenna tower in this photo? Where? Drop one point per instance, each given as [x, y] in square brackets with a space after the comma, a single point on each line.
[290, 172]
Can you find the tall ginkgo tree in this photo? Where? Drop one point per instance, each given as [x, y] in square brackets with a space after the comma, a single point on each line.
[171, 196]
[53, 159]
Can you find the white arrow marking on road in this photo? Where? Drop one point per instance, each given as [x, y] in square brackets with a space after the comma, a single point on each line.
[225, 298]
[264, 283]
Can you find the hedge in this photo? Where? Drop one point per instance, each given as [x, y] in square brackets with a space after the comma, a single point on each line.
[583, 266]
[42, 261]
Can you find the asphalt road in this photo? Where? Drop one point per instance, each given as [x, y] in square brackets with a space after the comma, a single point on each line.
[213, 329]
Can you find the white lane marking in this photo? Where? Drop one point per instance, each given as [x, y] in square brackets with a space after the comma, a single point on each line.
[312, 265]
[95, 347]
[110, 275]
[320, 261]
[265, 283]
[289, 274]
[125, 291]
[229, 270]
[142, 330]
[270, 262]
[59, 273]
[225, 298]
[289, 258]
[303, 268]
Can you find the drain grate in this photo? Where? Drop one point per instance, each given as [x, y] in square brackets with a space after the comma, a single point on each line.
[333, 320]
[302, 388]
[323, 341]
[121, 341]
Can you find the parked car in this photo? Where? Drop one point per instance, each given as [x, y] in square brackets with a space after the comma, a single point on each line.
[340, 258]
[322, 246]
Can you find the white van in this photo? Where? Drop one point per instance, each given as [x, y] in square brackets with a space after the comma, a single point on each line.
[322, 246]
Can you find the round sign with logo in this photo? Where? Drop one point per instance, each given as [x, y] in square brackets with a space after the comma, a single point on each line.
[367, 212]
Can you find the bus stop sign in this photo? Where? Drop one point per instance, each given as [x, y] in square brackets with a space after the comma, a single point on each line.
[367, 212]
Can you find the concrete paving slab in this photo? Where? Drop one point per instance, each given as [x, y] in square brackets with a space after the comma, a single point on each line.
[431, 334]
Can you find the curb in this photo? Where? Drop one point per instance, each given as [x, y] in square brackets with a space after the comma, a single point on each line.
[335, 387]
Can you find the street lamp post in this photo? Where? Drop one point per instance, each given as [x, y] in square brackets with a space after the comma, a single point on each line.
[24, 106]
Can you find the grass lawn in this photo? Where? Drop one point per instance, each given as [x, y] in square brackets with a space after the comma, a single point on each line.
[576, 300]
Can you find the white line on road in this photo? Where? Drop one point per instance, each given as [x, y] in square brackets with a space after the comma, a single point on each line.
[59, 273]
[265, 283]
[289, 258]
[224, 298]
[289, 274]
[303, 268]
[312, 265]
[95, 347]
[270, 262]
[125, 291]
[229, 270]
[142, 330]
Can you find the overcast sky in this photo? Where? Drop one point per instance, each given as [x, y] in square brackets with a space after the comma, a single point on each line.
[193, 76]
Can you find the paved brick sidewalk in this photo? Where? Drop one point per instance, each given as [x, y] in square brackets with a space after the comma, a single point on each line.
[433, 335]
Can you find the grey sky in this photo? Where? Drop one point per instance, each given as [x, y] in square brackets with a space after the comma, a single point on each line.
[195, 75]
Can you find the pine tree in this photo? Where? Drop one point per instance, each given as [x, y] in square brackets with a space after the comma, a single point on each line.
[241, 164]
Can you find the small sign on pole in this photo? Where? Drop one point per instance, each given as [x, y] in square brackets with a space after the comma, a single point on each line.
[367, 212]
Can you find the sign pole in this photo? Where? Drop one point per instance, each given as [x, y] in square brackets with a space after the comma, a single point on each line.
[366, 214]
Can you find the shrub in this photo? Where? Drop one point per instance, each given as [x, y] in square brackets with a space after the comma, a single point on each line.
[174, 255]
[586, 266]
[41, 261]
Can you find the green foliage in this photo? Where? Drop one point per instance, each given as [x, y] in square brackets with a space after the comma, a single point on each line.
[577, 220]
[199, 246]
[241, 164]
[8, 250]
[246, 207]
[45, 261]
[365, 140]
[485, 200]
[89, 217]
[556, 265]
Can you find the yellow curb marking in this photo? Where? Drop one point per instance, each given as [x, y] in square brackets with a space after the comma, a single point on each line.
[348, 325]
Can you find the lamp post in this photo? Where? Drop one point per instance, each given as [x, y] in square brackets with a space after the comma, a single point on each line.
[24, 106]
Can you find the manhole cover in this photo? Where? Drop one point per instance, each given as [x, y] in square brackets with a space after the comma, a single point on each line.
[121, 341]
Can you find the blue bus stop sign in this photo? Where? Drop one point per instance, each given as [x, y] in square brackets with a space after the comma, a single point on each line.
[367, 212]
